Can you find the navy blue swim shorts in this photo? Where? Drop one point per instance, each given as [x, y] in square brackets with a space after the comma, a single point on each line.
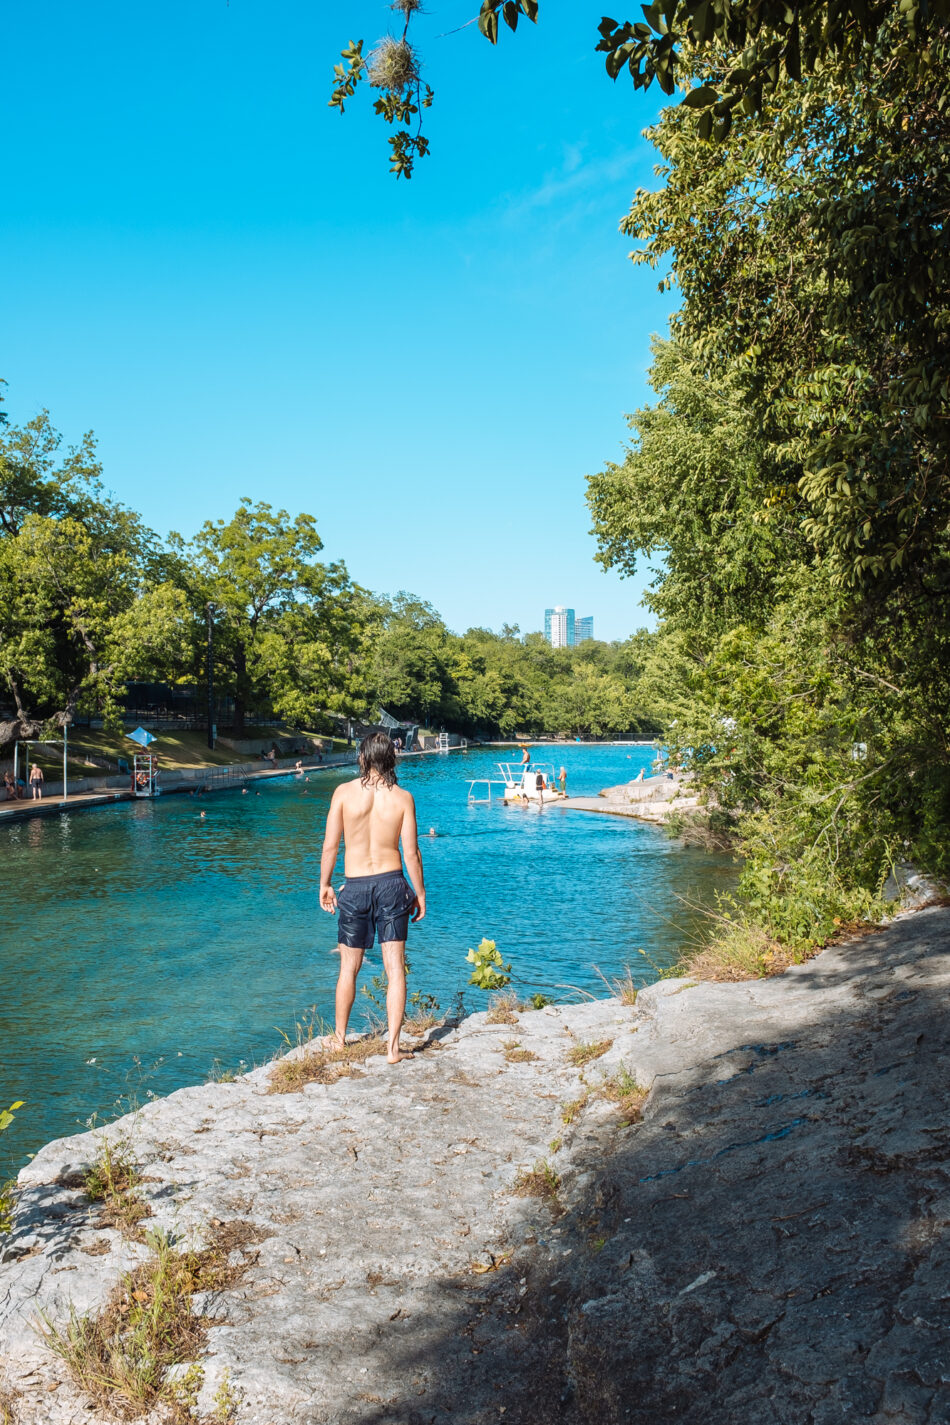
[371, 905]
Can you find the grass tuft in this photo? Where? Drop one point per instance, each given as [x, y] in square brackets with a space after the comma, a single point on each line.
[7, 1206]
[323, 1066]
[581, 1054]
[623, 1090]
[423, 1020]
[542, 1182]
[573, 1109]
[122, 1356]
[515, 1054]
[623, 987]
[736, 952]
[113, 1180]
[226, 1074]
[504, 1009]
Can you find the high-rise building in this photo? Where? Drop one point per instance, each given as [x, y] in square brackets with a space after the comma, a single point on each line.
[559, 626]
[583, 630]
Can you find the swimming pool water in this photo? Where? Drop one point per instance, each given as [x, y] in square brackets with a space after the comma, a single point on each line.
[140, 942]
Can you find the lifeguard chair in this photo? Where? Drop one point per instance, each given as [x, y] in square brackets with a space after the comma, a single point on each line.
[145, 775]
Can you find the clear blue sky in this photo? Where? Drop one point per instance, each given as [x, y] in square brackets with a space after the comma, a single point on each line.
[218, 275]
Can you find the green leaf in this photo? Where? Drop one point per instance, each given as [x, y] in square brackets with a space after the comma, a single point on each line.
[510, 12]
[702, 97]
[615, 62]
[488, 24]
[704, 127]
[704, 21]
[793, 58]
[723, 125]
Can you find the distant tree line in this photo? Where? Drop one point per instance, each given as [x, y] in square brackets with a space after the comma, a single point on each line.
[90, 600]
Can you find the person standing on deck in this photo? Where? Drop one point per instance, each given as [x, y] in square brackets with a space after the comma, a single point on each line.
[36, 782]
[373, 814]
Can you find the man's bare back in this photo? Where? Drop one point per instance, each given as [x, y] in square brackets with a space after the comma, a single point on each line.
[373, 815]
[373, 820]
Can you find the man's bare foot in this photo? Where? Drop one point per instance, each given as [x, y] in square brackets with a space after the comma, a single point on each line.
[396, 1056]
[333, 1043]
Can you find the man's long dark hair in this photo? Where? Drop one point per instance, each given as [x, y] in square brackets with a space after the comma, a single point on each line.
[378, 759]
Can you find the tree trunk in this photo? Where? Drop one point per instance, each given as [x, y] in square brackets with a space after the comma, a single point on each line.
[22, 729]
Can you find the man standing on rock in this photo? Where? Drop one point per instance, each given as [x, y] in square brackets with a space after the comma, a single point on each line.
[373, 814]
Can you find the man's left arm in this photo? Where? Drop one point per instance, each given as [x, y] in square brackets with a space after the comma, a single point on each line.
[413, 857]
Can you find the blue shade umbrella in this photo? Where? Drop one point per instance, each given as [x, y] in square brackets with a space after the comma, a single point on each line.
[140, 736]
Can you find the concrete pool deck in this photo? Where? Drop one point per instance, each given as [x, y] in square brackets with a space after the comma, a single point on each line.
[174, 782]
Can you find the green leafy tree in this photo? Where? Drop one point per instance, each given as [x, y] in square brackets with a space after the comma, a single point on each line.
[287, 628]
[794, 478]
[86, 597]
[746, 55]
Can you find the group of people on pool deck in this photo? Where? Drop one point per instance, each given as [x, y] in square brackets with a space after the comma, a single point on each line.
[15, 786]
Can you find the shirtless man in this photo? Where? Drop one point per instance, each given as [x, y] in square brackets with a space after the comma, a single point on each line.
[373, 814]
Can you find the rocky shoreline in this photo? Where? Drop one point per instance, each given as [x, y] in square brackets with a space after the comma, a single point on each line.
[489, 1233]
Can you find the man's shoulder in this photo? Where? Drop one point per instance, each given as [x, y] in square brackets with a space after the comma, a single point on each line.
[347, 789]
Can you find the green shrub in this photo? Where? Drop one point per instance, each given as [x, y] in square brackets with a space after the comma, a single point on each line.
[490, 972]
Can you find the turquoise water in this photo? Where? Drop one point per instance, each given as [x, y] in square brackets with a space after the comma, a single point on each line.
[141, 943]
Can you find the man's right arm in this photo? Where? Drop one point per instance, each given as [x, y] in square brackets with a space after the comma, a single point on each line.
[410, 850]
[331, 848]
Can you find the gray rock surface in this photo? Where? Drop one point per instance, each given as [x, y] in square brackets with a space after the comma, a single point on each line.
[768, 1245]
[655, 799]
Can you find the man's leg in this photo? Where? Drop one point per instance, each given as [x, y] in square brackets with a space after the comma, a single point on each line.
[351, 958]
[394, 963]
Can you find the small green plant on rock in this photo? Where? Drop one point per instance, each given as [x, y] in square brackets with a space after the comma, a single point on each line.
[7, 1189]
[424, 1012]
[623, 1090]
[581, 1054]
[222, 1073]
[227, 1401]
[183, 1393]
[573, 1109]
[490, 972]
[113, 1180]
[125, 1356]
[540, 1181]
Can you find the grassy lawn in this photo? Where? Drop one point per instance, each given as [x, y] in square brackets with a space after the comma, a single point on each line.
[175, 750]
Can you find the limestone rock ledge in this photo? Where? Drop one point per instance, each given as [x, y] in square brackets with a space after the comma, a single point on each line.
[768, 1245]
